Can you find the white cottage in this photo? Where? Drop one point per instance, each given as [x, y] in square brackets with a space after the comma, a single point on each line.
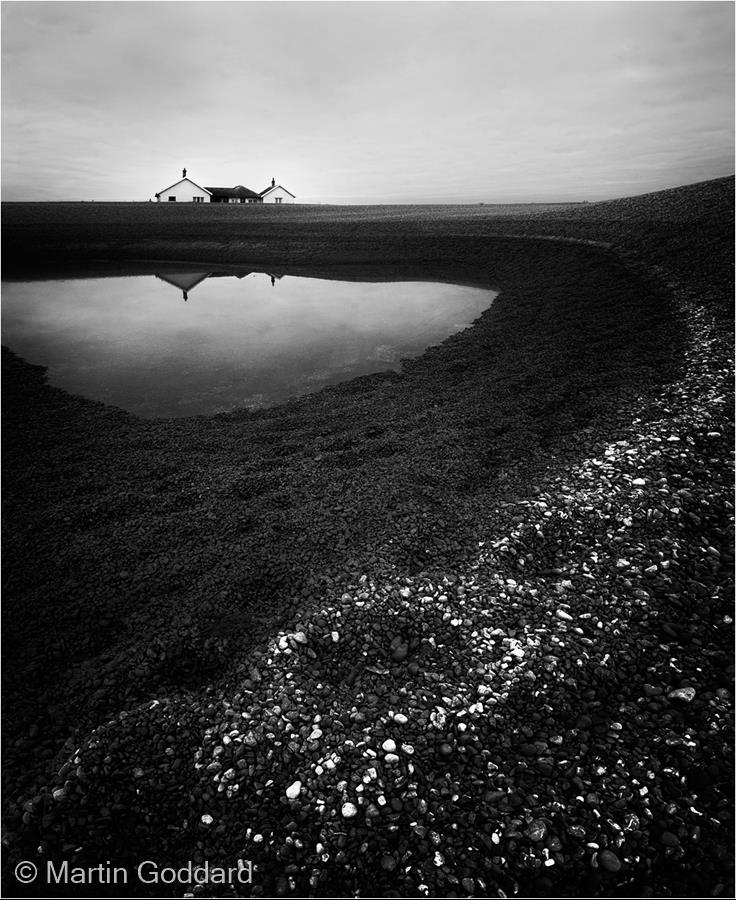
[184, 191]
[276, 193]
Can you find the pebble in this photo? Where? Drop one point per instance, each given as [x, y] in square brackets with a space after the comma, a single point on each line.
[294, 790]
[608, 860]
[536, 830]
[349, 810]
[685, 694]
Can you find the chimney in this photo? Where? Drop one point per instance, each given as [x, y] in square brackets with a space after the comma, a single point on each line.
[273, 182]
[183, 173]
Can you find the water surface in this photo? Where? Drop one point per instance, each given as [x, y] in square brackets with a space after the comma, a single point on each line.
[188, 343]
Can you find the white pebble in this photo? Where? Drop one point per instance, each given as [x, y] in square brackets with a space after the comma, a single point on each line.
[293, 791]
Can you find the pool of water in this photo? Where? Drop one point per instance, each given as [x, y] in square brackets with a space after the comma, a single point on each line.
[189, 343]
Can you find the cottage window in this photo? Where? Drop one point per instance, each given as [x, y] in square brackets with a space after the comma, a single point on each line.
[277, 200]
[172, 199]
[197, 199]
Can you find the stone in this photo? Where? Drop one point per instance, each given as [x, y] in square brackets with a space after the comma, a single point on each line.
[294, 790]
[608, 860]
[685, 694]
[349, 810]
[536, 831]
[438, 717]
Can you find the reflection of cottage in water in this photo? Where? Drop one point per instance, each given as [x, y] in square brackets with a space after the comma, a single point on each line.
[187, 281]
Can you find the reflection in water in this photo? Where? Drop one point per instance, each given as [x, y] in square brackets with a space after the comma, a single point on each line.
[186, 281]
[237, 342]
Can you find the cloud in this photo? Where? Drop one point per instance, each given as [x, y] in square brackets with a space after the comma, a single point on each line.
[349, 100]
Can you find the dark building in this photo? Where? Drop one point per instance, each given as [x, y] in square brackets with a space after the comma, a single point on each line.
[237, 194]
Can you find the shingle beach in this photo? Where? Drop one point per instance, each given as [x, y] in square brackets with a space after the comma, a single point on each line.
[466, 630]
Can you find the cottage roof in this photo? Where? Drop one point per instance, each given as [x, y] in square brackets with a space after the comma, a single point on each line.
[273, 187]
[238, 192]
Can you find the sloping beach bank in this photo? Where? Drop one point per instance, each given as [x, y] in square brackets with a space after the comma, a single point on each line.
[512, 561]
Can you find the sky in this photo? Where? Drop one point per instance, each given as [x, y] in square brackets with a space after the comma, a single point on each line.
[366, 102]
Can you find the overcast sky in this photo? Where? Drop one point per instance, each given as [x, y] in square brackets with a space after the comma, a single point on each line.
[366, 102]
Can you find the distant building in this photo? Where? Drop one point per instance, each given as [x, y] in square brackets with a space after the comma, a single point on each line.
[185, 190]
[276, 194]
[238, 194]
